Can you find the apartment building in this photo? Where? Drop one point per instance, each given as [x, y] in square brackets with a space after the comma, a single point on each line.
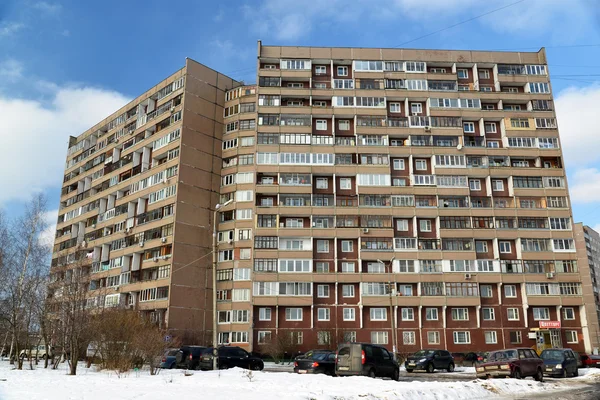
[137, 199]
[587, 242]
[411, 198]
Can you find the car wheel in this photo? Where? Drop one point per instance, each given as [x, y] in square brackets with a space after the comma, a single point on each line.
[539, 376]
[516, 374]
[451, 367]
[409, 370]
[371, 373]
[576, 372]
[257, 367]
[564, 373]
[429, 368]
[396, 375]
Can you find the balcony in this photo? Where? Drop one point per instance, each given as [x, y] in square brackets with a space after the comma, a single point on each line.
[474, 141]
[345, 141]
[423, 180]
[445, 86]
[398, 122]
[430, 244]
[346, 201]
[418, 121]
[371, 121]
[405, 244]
[376, 244]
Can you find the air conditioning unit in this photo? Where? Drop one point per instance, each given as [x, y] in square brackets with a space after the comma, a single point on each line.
[365, 230]
[427, 128]
[550, 275]
[164, 240]
[468, 276]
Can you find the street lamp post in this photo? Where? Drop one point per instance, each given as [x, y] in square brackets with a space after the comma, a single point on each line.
[214, 279]
[392, 313]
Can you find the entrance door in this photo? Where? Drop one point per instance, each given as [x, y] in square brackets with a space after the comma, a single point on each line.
[543, 340]
[555, 338]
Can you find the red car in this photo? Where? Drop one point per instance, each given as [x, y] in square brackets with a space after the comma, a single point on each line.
[589, 360]
[512, 363]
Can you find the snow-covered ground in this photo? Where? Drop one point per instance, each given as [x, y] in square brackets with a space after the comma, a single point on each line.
[235, 384]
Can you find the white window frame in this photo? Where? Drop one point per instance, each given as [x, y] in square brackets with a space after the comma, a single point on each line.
[399, 164]
[321, 124]
[349, 245]
[469, 127]
[463, 315]
[464, 72]
[425, 225]
[513, 291]
[435, 339]
[504, 247]
[421, 164]
[350, 289]
[539, 317]
[475, 184]
[467, 337]
[322, 183]
[565, 317]
[378, 314]
[572, 336]
[408, 314]
[323, 314]
[416, 108]
[395, 107]
[429, 311]
[515, 314]
[490, 337]
[344, 70]
[491, 314]
[264, 314]
[351, 314]
[345, 183]
[323, 291]
[402, 225]
[290, 317]
[497, 185]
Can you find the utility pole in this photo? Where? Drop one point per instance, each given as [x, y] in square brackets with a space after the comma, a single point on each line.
[391, 289]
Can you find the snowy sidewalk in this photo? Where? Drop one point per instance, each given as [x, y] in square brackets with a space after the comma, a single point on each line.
[234, 384]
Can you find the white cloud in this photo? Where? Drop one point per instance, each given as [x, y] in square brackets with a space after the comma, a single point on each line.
[11, 70]
[48, 8]
[10, 28]
[579, 121]
[290, 20]
[585, 185]
[35, 150]
[46, 237]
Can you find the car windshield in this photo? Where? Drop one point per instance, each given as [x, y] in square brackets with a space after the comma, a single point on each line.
[502, 355]
[423, 353]
[556, 355]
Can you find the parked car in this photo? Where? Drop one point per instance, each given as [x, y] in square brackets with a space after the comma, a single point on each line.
[229, 357]
[430, 360]
[578, 358]
[559, 362]
[38, 351]
[169, 359]
[189, 357]
[366, 359]
[514, 363]
[316, 362]
[589, 360]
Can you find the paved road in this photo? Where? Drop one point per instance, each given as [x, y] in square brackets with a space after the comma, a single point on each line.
[590, 391]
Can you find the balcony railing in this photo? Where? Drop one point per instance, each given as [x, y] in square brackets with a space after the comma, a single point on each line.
[429, 244]
[404, 244]
[398, 122]
[346, 201]
[419, 121]
[424, 180]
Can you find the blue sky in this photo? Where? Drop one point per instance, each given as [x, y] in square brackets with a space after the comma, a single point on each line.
[66, 64]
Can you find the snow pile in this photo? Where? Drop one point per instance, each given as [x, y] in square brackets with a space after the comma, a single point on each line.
[236, 384]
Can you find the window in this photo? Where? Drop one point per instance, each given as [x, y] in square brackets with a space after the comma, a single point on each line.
[320, 69]
[462, 73]
[541, 313]
[293, 314]
[431, 314]
[321, 124]
[510, 291]
[505, 247]
[345, 183]
[571, 336]
[342, 71]
[486, 291]
[433, 337]
[347, 246]
[416, 108]
[323, 314]
[462, 337]
[474, 184]
[348, 267]
[497, 185]
[408, 337]
[241, 274]
[398, 164]
[484, 74]
[490, 337]
[515, 337]
[322, 183]
[395, 108]
[460, 314]
[348, 291]
[264, 337]
[344, 125]
[469, 127]
[322, 291]
[322, 246]
[240, 294]
[568, 313]
[402, 225]
[513, 314]
[488, 314]
[349, 314]
[408, 314]
[421, 165]
[425, 225]
[323, 338]
[379, 337]
[264, 314]
[378, 314]
[481, 246]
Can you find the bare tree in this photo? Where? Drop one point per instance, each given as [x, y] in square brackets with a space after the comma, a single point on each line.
[279, 345]
[22, 258]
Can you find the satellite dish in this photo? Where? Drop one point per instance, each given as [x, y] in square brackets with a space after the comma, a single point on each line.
[459, 147]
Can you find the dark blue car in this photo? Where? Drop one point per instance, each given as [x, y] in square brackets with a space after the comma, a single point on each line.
[560, 362]
[169, 359]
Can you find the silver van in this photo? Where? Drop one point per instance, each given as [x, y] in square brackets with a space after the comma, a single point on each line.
[367, 360]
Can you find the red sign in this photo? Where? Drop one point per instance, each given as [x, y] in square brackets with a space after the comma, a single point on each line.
[550, 324]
